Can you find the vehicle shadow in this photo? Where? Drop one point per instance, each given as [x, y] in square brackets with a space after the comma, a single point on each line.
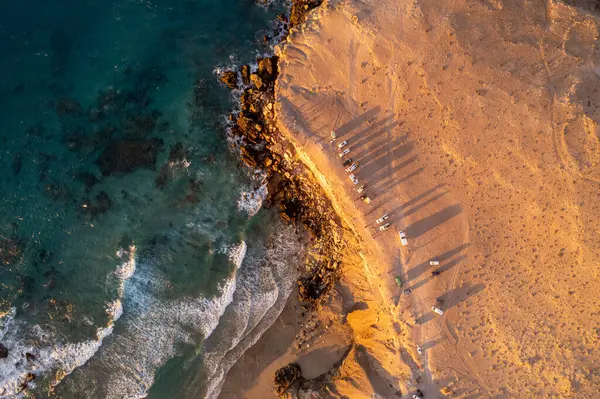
[344, 130]
[451, 299]
[422, 267]
[460, 294]
[428, 223]
[430, 278]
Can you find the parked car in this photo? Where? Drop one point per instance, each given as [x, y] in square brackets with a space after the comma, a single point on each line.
[347, 162]
[352, 167]
[346, 151]
[385, 227]
[398, 281]
[381, 219]
[354, 179]
[342, 144]
[437, 310]
[434, 263]
[362, 188]
[403, 239]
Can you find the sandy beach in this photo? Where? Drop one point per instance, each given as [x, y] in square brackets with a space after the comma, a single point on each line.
[475, 129]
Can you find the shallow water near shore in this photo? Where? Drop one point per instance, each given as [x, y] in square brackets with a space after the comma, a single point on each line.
[127, 226]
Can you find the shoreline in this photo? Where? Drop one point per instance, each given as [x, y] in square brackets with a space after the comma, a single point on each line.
[299, 197]
[330, 301]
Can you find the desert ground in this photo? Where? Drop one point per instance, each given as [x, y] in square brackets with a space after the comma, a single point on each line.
[475, 126]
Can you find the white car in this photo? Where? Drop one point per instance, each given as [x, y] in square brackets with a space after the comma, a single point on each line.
[403, 239]
[434, 263]
[385, 227]
[354, 179]
[381, 219]
[420, 350]
[346, 151]
[437, 310]
[342, 144]
[352, 167]
[362, 188]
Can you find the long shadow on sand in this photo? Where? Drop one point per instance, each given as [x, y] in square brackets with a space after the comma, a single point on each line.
[418, 207]
[422, 226]
[373, 369]
[450, 265]
[424, 266]
[459, 294]
[393, 183]
[454, 297]
[356, 122]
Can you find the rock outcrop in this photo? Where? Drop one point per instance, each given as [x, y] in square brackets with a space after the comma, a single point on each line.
[3, 352]
[124, 156]
[286, 377]
[300, 9]
[229, 78]
[291, 186]
[290, 382]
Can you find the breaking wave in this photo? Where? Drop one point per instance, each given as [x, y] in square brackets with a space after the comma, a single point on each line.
[42, 350]
[263, 288]
[251, 201]
[152, 329]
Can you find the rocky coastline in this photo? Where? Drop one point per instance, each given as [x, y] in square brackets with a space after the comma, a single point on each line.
[292, 188]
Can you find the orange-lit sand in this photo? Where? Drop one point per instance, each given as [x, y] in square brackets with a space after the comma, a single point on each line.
[476, 127]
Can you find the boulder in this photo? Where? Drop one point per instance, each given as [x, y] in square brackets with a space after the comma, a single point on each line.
[300, 9]
[245, 123]
[178, 152]
[3, 352]
[229, 78]
[28, 378]
[103, 203]
[256, 81]
[245, 72]
[248, 157]
[287, 376]
[265, 68]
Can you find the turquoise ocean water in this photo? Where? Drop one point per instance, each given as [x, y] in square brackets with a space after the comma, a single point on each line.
[134, 259]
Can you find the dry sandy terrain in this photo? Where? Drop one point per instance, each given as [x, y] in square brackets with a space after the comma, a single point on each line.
[475, 124]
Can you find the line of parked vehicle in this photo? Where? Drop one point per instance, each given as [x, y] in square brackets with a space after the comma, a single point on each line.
[350, 166]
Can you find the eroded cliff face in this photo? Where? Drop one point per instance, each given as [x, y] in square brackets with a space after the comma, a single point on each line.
[291, 187]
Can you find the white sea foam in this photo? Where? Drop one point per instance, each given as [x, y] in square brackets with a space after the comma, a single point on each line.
[251, 201]
[262, 291]
[246, 304]
[152, 329]
[53, 354]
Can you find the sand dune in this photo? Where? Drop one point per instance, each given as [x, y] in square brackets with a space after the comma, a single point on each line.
[475, 126]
